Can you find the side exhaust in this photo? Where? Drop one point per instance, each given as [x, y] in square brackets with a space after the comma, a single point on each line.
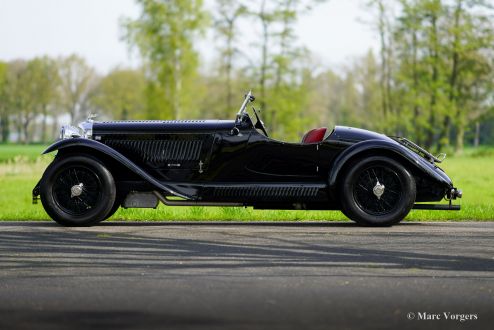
[437, 207]
[175, 202]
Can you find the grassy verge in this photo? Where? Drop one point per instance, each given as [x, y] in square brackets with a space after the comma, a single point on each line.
[21, 168]
[12, 152]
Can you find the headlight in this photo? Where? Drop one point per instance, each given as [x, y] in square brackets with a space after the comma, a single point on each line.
[68, 132]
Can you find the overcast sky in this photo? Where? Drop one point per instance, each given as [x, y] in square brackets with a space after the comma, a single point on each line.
[90, 28]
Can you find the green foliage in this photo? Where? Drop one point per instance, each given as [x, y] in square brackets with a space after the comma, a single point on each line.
[76, 87]
[228, 13]
[29, 90]
[442, 68]
[430, 80]
[4, 106]
[164, 35]
[44, 80]
[284, 75]
[121, 94]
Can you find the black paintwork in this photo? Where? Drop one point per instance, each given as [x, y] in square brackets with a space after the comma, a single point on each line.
[231, 161]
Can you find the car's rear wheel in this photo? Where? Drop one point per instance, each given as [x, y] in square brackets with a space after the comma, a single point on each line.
[377, 191]
[77, 191]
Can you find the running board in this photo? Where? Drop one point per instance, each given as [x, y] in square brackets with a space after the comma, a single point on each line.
[438, 207]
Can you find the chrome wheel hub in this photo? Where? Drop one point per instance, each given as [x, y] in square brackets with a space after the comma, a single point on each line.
[378, 190]
[76, 190]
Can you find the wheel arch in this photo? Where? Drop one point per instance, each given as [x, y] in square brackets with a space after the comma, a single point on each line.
[117, 169]
[414, 163]
[109, 156]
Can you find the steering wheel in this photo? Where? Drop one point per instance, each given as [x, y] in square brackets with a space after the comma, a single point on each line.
[259, 124]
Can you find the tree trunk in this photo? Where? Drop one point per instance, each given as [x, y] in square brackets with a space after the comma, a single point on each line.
[5, 128]
[384, 62]
[229, 66]
[72, 113]
[435, 78]
[18, 125]
[178, 85]
[476, 141]
[444, 134]
[43, 124]
[389, 74]
[416, 108]
[25, 129]
[264, 59]
[283, 43]
[124, 114]
[55, 128]
[460, 134]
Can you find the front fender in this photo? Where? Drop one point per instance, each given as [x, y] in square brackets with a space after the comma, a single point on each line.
[408, 156]
[75, 143]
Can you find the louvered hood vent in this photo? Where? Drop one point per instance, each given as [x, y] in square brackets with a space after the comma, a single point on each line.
[159, 151]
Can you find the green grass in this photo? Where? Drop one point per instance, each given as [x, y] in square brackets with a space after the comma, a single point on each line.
[11, 152]
[21, 168]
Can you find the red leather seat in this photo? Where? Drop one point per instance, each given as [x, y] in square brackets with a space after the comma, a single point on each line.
[314, 135]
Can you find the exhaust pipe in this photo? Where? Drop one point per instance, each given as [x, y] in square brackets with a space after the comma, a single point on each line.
[174, 202]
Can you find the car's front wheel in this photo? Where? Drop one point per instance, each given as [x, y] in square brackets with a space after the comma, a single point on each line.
[377, 191]
[77, 191]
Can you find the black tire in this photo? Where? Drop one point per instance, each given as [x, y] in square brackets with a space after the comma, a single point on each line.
[116, 205]
[360, 186]
[93, 200]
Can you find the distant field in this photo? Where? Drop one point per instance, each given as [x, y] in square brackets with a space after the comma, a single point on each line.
[10, 151]
[21, 167]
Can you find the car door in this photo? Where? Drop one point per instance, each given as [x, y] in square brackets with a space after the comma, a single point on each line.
[252, 157]
[277, 161]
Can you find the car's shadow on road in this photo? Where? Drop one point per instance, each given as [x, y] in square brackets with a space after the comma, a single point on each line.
[227, 252]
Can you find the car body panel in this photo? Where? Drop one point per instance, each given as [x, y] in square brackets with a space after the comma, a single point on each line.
[80, 145]
[231, 161]
[375, 146]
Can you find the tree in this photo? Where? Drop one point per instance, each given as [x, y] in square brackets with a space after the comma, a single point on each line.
[120, 94]
[368, 76]
[78, 80]
[19, 97]
[44, 81]
[279, 77]
[225, 22]
[4, 108]
[164, 35]
[470, 79]
[30, 91]
[437, 47]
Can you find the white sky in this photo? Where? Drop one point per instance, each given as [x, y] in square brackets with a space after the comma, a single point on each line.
[90, 28]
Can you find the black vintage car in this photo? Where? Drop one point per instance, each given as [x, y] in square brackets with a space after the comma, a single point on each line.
[101, 166]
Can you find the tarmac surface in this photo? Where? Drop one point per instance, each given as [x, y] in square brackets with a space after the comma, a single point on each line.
[126, 275]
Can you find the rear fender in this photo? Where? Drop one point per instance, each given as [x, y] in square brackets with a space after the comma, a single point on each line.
[76, 143]
[382, 147]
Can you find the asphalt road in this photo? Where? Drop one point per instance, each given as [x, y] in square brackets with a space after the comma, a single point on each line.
[244, 276]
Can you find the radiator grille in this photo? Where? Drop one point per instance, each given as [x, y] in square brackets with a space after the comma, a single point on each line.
[159, 151]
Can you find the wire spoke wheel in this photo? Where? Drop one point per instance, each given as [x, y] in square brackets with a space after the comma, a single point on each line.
[377, 191]
[366, 193]
[77, 190]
